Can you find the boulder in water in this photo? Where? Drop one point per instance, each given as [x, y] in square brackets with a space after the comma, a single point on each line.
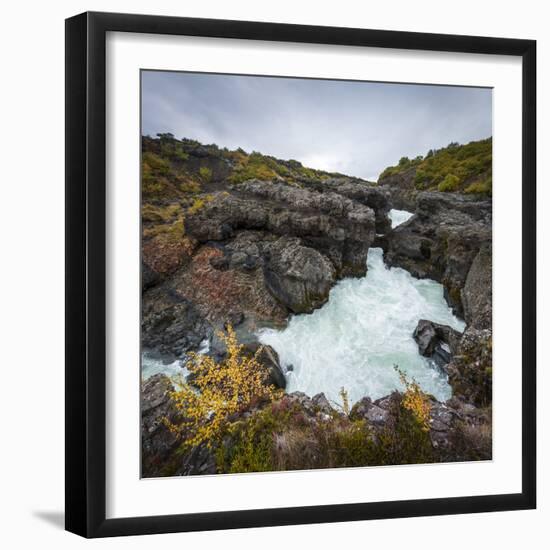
[298, 276]
[436, 341]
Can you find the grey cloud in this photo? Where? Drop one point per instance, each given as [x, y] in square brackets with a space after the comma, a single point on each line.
[356, 128]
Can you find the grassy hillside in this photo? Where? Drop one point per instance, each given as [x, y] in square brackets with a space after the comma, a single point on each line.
[173, 168]
[463, 168]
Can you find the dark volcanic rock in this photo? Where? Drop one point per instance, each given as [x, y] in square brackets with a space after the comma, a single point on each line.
[436, 341]
[161, 449]
[198, 461]
[471, 368]
[312, 407]
[373, 413]
[338, 227]
[367, 194]
[149, 277]
[156, 439]
[322, 403]
[460, 432]
[477, 293]
[269, 358]
[401, 189]
[441, 241]
[298, 276]
[171, 323]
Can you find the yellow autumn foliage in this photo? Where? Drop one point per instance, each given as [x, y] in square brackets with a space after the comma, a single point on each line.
[221, 390]
[415, 401]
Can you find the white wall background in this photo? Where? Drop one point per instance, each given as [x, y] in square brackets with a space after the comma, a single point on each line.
[31, 273]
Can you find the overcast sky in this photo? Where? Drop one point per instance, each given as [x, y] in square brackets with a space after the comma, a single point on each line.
[356, 128]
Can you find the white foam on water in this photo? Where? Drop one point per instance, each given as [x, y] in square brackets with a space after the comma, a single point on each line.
[397, 217]
[358, 336]
[152, 363]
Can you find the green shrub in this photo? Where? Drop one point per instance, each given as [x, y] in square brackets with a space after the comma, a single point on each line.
[152, 213]
[173, 231]
[199, 203]
[251, 444]
[450, 183]
[152, 187]
[483, 187]
[153, 163]
[255, 167]
[190, 187]
[205, 173]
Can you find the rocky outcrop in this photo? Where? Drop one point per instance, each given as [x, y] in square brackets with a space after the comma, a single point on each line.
[299, 277]
[262, 250]
[332, 224]
[373, 412]
[401, 189]
[442, 240]
[162, 451]
[170, 323]
[362, 192]
[471, 368]
[436, 341]
[269, 358]
[157, 442]
[458, 431]
[477, 295]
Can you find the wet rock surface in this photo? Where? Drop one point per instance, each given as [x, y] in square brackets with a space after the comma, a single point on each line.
[436, 341]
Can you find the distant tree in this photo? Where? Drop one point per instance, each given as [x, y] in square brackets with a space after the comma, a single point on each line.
[167, 136]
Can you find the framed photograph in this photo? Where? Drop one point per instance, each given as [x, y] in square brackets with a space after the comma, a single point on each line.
[300, 274]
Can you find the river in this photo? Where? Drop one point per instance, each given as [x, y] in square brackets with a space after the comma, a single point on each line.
[357, 337]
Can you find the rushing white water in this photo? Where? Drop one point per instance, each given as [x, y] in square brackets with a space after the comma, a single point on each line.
[398, 217]
[153, 363]
[358, 336]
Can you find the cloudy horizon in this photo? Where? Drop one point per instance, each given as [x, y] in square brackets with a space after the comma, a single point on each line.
[355, 128]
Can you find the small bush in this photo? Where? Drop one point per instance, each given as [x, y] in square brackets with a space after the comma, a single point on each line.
[199, 204]
[174, 231]
[190, 187]
[415, 400]
[450, 183]
[205, 173]
[152, 162]
[152, 213]
[222, 390]
[154, 187]
[484, 187]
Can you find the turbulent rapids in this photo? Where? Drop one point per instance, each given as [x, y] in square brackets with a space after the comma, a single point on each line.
[365, 328]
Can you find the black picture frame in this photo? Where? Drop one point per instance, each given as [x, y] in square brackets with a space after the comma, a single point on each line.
[86, 274]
